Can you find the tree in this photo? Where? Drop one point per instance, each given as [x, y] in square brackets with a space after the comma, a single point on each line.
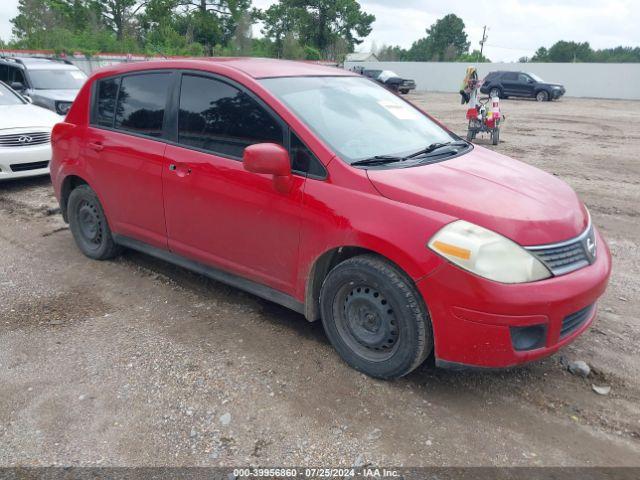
[564, 51]
[474, 56]
[212, 22]
[318, 23]
[541, 55]
[116, 14]
[388, 53]
[279, 21]
[242, 40]
[445, 40]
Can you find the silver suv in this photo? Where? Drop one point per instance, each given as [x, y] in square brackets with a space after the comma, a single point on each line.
[48, 82]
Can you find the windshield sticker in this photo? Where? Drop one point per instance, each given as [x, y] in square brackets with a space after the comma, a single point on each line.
[399, 110]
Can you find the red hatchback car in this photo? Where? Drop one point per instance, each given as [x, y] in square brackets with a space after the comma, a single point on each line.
[320, 190]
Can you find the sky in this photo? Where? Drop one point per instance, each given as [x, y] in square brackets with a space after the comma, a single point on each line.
[516, 28]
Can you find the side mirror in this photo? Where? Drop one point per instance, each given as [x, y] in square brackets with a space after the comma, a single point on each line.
[269, 159]
[17, 86]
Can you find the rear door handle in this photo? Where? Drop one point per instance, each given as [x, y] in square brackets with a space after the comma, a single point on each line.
[97, 146]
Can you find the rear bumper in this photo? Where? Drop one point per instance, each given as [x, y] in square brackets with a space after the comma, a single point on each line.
[18, 162]
[473, 317]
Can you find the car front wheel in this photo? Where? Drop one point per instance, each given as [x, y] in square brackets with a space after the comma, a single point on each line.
[494, 92]
[542, 96]
[88, 224]
[375, 318]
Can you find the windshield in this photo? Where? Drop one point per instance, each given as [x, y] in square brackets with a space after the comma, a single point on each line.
[57, 79]
[386, 75]
[536, 78]
[356, 117]
[9, 97]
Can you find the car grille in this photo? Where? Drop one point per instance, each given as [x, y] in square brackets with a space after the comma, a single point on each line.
[574, 321]
[565, 257]
[23, 167]
[24, 139]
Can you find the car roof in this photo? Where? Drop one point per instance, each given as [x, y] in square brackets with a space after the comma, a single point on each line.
[253, 67]
[35, 63]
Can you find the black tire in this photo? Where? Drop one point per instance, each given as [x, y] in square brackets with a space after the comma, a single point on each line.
[495, 92]
[542, 96]
[404, 92]
[495, 136]
[375, 318]
[89, 225]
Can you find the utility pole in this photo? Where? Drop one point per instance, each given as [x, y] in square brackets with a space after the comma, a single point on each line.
[484, 39]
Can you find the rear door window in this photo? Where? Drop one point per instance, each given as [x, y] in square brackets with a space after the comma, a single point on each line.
[223, 119]
[141, 103]
[510, 76]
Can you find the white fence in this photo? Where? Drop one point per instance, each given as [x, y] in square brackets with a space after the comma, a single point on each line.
[597, 80]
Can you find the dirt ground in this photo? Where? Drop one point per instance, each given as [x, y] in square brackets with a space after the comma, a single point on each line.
[136, 362]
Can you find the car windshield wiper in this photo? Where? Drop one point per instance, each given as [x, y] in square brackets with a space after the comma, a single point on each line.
[437, 146]
[385, 159]
[378, 160]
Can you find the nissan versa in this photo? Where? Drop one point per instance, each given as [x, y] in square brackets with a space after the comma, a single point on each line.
[318, 189]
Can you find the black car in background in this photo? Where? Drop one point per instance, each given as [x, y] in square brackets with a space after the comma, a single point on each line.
[520, 84]
[391, 80]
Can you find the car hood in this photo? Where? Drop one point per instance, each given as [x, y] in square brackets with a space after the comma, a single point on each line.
[58, 95]
[26, 116]
[512, 198]
[551, 85]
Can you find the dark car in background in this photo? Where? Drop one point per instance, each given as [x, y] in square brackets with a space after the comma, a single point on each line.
[391, 80]
[520, 84]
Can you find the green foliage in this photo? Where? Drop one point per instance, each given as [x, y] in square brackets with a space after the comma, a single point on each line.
[472, 57]
[311, 53]
[446, 40]
[296, 29]
[564, 51]
[325, 25]
[388, 53]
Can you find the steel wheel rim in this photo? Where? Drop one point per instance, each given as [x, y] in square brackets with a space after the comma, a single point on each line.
[494, 92]
[90, 223]
[367, 322]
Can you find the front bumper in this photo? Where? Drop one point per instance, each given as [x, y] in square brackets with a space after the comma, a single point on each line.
[472, 317]
[18, 162]
[557, 93]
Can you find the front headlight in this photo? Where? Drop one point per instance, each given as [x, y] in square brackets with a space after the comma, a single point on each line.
[63, 107]
[487, 254]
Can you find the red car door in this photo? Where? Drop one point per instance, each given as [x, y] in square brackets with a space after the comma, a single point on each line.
[125, 154]
[217, 212]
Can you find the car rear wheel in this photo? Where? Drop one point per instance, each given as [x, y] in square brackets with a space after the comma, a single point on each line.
[495, 92]
[375, 318]
[542, 96]
[89, 225]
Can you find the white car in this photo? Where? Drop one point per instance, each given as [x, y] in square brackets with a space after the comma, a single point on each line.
[25, 136]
